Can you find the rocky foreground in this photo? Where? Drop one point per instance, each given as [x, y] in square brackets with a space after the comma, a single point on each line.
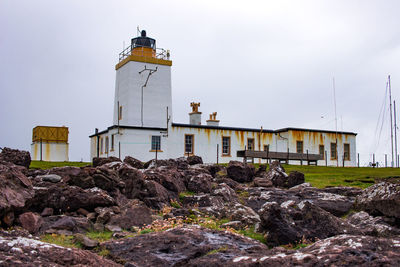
[181, 212]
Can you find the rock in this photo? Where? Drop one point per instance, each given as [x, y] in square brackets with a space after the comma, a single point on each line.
[104, 214]
[24, 251]
[81, 177]
[64, 198]
[244, 214]
[295, 178]
[262, 182]
[169, 178]
[65, 223]
[181, 246]
[231, 183]
[346, 191]
[8, 218]
[226, 193]
[15, 156]
[54, 178]
[380, 199]
[113, 228]
[179, 163]
[233, 224]
[98, 227]
[192, 160]
[107, 179]
[373, 226]
[86, 241]
[30, 221]
[134, 182]
[82, 212]
[277, 175]
[100, 161]
[338, 205]
[240, 172]
[15, 189]
[135, 163]
[211, 205]
[47, 212]
[137, 215]
[288, 223]
[200, 183]
[157, 196]
[341, 250]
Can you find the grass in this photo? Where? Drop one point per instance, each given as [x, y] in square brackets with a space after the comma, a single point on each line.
[100, 236]
[250, 232]
[61, 240]
[184, 194]
[44, 165]
[321, 176]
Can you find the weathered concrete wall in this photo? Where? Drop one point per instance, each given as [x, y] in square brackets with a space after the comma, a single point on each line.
[51, 151]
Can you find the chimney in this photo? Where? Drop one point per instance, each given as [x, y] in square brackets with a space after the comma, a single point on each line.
[195, 115]
[213, 120]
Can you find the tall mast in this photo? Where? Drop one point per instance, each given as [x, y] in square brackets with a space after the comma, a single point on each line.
[391, 120]
[395, 133]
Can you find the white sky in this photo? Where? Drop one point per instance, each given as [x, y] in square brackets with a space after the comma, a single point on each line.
[257, 63]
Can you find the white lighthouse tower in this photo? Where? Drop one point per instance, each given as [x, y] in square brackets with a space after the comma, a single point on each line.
[143, 85]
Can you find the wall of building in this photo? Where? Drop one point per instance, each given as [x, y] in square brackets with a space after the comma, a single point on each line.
[51, 151]
[137, 143]
[156, 95]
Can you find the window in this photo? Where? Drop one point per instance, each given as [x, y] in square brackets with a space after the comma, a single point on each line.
[101, 145]
[189, 139]
[226, 145]
[266, 147]
[120, 113]
[250, 143]
[156, 142]
[346, 151]
[333, 151]
[299, 146]
[322, 151]
[106, 145]
[112, 142]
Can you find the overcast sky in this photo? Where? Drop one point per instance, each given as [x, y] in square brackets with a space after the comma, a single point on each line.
[257, 63]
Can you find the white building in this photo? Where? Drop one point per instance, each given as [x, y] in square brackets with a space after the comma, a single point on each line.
[50, 143]
[143, 128]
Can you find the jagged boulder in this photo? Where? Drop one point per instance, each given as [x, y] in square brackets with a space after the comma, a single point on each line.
[373, 226]
[98, 161]
[25, 251]
[200, 183]
[64, 198]
[134, 215]
[288, 223]
[380, 199]
[181, 246]
[15, 156]
[15, 191]
[30, 221]
[240, 172]
[192, 160]
[170, 178]
[135, 163]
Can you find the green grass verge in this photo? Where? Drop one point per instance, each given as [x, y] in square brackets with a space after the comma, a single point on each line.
[322, 176]
[61, 240]
[44, 165]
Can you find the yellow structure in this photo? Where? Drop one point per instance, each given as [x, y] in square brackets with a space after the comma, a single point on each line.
[50, 143]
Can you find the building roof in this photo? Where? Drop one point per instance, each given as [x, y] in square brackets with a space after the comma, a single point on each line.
[183, 125]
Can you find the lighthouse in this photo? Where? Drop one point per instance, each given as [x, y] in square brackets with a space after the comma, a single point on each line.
[143, 85]
[143, 127]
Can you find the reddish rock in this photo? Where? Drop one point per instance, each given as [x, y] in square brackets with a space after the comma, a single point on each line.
[47, 212]
[135, 163]
[23, 251]
[169, 178]
[8, 219]
[200, 183]
[192, 160]
[15, 189]
[15, 156]
[240, 172]
[137, 215]
[30, 221]
[101, 161]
